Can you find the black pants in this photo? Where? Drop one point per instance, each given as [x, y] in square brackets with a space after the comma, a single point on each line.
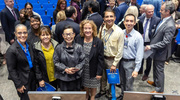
[30, 86]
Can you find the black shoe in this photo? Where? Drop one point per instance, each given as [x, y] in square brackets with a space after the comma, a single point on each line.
[99, 95]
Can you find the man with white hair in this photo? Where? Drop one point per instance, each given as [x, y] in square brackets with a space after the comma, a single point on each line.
[149, 23]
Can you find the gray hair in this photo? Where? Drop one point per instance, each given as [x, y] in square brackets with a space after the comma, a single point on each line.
[169, 5]
[149, 5]
[19, 25]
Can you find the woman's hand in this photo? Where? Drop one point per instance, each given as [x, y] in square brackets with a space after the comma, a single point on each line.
[98, 77]
[42, 83]
[21, 90]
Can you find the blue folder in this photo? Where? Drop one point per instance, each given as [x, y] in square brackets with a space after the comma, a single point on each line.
[113, 78]
[47, 87]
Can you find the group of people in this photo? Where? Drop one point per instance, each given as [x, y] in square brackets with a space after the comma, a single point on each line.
[75, 54]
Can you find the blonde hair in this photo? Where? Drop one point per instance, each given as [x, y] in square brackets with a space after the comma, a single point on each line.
[94, 27]
[132, 10]
[176, 3]
[60, 16]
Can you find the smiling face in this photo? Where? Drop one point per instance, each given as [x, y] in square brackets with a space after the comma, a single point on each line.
[129, 23]
[149, 11]
[35, 23]
[21, 34]
[45, 37]
[109, 19]
[63, 5]
[87, 30]
[68, 35]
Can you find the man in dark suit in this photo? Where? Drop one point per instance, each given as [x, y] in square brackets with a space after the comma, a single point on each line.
[120, 10]
[19, 58]
[8, 17]
[149, 23]
[95, 16]
[161, 45]
[71, 15]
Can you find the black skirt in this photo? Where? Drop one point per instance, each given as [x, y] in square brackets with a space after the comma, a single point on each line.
[70, 85]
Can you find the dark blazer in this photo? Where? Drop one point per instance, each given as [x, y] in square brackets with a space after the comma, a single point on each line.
[18, 65]
[96, 63]
[120, 13]
[154, 22]
[161, 40]
[59, 29]
[97, 18]
[7, 21]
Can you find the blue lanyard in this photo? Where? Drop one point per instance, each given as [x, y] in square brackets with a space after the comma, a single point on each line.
[108, 37]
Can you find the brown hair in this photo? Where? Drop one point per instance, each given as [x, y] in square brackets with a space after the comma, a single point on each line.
[46, 30]
[59, 3]
[94, 27]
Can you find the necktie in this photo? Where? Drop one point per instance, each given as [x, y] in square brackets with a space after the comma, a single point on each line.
[14, 14]
[145, 27]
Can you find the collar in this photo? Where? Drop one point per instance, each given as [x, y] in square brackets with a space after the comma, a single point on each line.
[121, 3]
[164, 19]
[112, 28]
[147, 18]
[9, 8]
[130, 34]
[27, 46]
[93, 14]
[70, 19]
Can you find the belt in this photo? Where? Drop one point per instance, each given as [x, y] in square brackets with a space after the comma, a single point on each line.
[111, 57]
[128, 59]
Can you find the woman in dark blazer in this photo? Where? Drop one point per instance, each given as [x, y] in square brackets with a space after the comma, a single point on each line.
[94, 52]
[19, 58]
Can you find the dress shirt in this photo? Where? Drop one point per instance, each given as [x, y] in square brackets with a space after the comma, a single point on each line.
[146, 37]
[114, 45]
[135, 48]
[27, 53]
[11, 11]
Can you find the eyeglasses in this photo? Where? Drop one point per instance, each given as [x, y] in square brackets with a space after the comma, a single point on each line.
[20, 33]
[68, 34]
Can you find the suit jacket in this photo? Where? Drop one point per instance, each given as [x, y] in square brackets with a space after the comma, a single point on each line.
[59, 29]
[7, 21]
[96, 59]
[18, 65]
[97, 18]
[120, 13]
[154, 22]
[156, 4]
[161, 40]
